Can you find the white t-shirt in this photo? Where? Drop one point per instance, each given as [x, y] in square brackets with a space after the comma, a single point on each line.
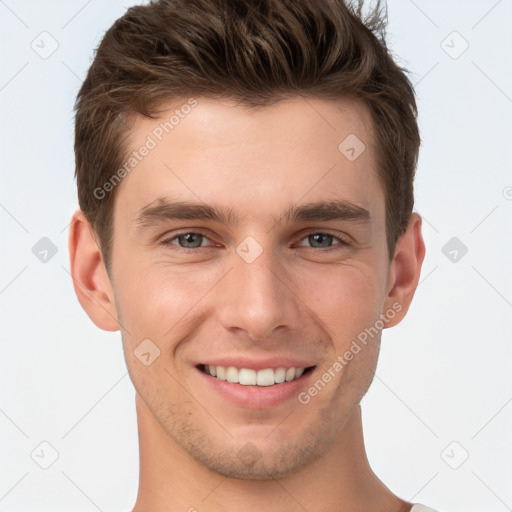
[418, 507]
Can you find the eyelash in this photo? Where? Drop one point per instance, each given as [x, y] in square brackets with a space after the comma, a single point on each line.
[168, 242]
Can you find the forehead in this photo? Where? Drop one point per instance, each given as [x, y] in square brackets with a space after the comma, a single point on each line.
[226, 121]
[254, 158]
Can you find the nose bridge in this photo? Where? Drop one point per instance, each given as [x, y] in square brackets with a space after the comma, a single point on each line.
[257, 298]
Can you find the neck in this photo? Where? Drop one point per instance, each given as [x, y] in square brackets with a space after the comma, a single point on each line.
[171, 480]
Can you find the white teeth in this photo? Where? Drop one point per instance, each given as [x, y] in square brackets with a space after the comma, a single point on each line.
[232, 374]
[290, 374]
[221, 372]
[265, 377]
[249, 377]
[280, 375]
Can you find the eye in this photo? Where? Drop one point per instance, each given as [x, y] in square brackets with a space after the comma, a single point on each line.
[190, 240]
[186, 240]
[320, 240]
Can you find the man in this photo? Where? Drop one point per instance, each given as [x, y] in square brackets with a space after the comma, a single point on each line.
[245, 177]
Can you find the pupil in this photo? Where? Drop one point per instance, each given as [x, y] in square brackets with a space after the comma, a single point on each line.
[189, 238]
[321, 235]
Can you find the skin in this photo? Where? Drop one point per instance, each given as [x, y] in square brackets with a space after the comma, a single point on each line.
[294, 299]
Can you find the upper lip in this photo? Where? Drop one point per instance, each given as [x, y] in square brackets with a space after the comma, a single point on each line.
[258, 364]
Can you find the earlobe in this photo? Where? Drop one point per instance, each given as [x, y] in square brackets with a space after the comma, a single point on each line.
[90, 279]
[405, 270]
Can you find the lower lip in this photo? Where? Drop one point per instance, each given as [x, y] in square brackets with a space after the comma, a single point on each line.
[257, 397]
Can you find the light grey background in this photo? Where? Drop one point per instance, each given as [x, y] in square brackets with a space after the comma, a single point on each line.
[443, 388]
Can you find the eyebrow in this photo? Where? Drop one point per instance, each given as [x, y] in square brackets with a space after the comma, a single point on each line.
[163, 209]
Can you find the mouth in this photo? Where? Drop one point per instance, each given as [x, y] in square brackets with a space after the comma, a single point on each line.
[266, 377]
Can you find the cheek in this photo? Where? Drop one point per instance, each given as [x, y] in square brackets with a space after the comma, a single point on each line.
[347, 299]
[160, 300]
[160, 305]
[348, 304]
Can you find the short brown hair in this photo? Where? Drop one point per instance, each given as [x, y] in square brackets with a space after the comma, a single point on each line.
[254, 51]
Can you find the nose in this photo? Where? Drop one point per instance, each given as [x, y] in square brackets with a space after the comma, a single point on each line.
[258, 298]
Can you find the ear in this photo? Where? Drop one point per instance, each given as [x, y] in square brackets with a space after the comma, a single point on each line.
[90, 279]
[404, 271]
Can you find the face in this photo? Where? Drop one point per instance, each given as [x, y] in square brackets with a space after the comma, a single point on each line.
[257, 276]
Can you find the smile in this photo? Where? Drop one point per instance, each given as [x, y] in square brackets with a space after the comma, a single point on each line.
[250, 377]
